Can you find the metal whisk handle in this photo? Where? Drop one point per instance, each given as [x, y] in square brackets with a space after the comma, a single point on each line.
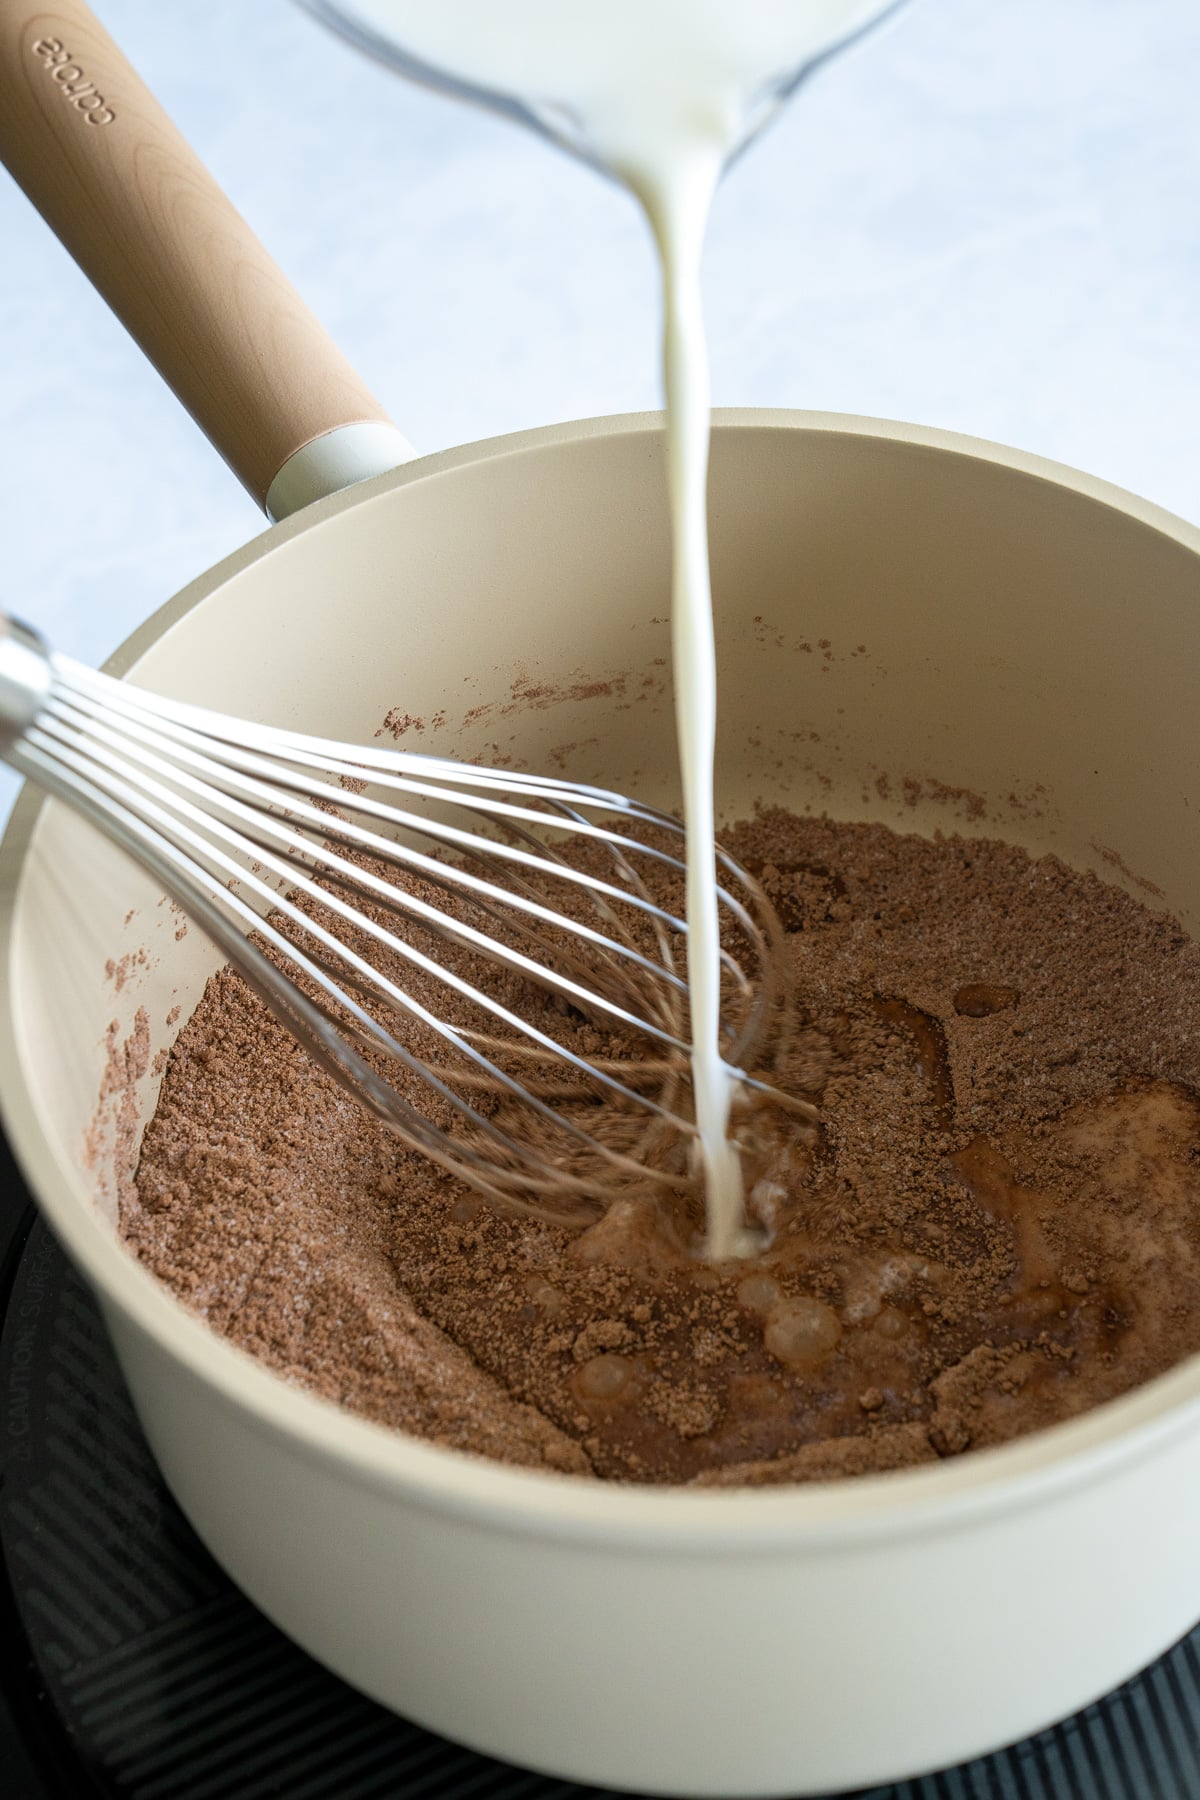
[25, 678]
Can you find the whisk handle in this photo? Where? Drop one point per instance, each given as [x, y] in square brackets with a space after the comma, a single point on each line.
[178, 264]
[24, 679]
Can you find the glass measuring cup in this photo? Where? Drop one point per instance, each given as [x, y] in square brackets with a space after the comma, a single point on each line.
[630, 57]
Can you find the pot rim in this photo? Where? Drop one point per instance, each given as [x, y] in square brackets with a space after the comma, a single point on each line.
[655, 1520]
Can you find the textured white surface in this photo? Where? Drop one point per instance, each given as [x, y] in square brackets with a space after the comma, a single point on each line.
[984, 217]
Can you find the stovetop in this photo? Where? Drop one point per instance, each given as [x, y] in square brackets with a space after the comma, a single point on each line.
[132, 1669]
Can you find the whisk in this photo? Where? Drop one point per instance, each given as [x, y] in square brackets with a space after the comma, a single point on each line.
[481, 957]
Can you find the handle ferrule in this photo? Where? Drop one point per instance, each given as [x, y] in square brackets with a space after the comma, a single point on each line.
[329, 463]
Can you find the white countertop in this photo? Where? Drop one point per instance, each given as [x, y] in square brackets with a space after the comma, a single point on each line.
[983, 217]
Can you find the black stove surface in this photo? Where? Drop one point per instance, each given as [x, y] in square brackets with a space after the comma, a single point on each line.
[132, 1669]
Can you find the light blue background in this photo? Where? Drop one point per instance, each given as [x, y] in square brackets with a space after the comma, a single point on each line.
[983, 217]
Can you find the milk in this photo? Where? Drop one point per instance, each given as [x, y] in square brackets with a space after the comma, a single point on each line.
[660, 93]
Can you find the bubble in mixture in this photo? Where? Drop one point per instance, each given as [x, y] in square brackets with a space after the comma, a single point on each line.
[604, 1377]
[705, 1278]
[890, 1322]
[801, 1332]
[755, 1396]
[758, 1293]
[547, 1298]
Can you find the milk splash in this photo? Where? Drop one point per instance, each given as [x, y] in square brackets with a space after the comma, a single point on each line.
[660, 94]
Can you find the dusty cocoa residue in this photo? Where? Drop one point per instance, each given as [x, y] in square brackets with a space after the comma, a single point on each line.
[971, 805]
[997, 1227]
[125, 1059]
[767, 633]
[119, 970]
[531, 696]
[180, 917]
[113, 1130]
[1115, 861]
[399, 723]
[1031, 802]
[561, 755]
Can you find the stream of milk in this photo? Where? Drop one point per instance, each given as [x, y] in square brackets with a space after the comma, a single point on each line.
[660, 93]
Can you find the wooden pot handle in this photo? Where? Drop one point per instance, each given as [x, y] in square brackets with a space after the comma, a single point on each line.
[179, 266]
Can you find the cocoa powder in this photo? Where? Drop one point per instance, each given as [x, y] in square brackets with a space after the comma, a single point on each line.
[997, 1227]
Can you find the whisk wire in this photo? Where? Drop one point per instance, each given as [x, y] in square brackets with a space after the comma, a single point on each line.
[227, 776]
[156, 804]
[319, 892]
[261, 828]
[331, 1043]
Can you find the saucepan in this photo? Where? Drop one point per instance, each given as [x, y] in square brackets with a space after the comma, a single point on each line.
[1031, 635]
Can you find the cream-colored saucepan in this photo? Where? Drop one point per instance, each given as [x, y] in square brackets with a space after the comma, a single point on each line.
[1031, 635]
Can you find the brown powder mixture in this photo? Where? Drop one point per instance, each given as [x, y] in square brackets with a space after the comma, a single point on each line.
[997, 1227]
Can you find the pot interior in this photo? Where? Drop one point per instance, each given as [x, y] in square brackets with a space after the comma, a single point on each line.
[911, 629]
